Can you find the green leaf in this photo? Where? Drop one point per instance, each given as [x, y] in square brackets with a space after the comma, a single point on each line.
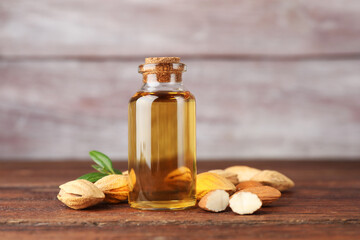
[102, 160]
[117, 171]
[100, 169]
[93, 177]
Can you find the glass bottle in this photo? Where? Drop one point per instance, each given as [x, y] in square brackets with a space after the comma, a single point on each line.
[162, 138]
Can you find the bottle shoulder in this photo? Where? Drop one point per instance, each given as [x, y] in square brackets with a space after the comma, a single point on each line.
[163, 96]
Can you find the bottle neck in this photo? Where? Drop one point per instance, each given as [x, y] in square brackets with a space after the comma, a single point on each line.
[152, 84]
[162, 76]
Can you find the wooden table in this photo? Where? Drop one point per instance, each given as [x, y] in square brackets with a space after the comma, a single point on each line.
[325, 204]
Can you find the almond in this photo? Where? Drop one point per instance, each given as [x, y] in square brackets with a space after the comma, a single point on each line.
[215, 201]
[207, 182]
[231, 176]
[274, 179]
[244, 173]
[80, 194]
[245, 203]
[179, 179]
[266, 194]
[115, 187]
[248, 184]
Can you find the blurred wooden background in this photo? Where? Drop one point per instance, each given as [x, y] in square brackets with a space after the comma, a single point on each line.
[273, 78]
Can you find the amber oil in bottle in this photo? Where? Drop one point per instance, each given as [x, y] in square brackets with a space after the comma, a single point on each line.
[162, 138]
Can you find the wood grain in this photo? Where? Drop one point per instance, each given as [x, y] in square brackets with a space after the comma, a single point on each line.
[269, 109]
[318, 207]
[186, 28]
[176, 232]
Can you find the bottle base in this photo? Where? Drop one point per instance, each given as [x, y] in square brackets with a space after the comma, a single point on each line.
[163, 205]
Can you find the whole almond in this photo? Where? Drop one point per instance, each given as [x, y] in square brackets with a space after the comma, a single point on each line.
[80, 194]
[266, 194]
[179, 179]
[248, 184]
[244, 173]
[274, 179]
[115, 187]
[231, 176]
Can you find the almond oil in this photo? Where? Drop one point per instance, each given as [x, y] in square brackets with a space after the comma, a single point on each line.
[162, 139]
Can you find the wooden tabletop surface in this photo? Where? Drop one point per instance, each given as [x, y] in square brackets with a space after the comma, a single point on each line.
[325, 204]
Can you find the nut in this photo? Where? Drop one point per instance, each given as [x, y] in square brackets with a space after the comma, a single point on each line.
[115, 187]
[244, 173]
[274, 179]
[79, 194]
[266, 194]
[245, 203]
[248, 184]
[208, 181]
[215, 201]
[232, 177]
[179, 179]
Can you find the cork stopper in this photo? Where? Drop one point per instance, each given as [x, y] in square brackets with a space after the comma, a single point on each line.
[154, 60]
[162, 69]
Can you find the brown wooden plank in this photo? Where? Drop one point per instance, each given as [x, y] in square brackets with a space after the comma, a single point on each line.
[324, 204]
[139, 28]
[318, 231]
[33, 206]
[63, 109]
